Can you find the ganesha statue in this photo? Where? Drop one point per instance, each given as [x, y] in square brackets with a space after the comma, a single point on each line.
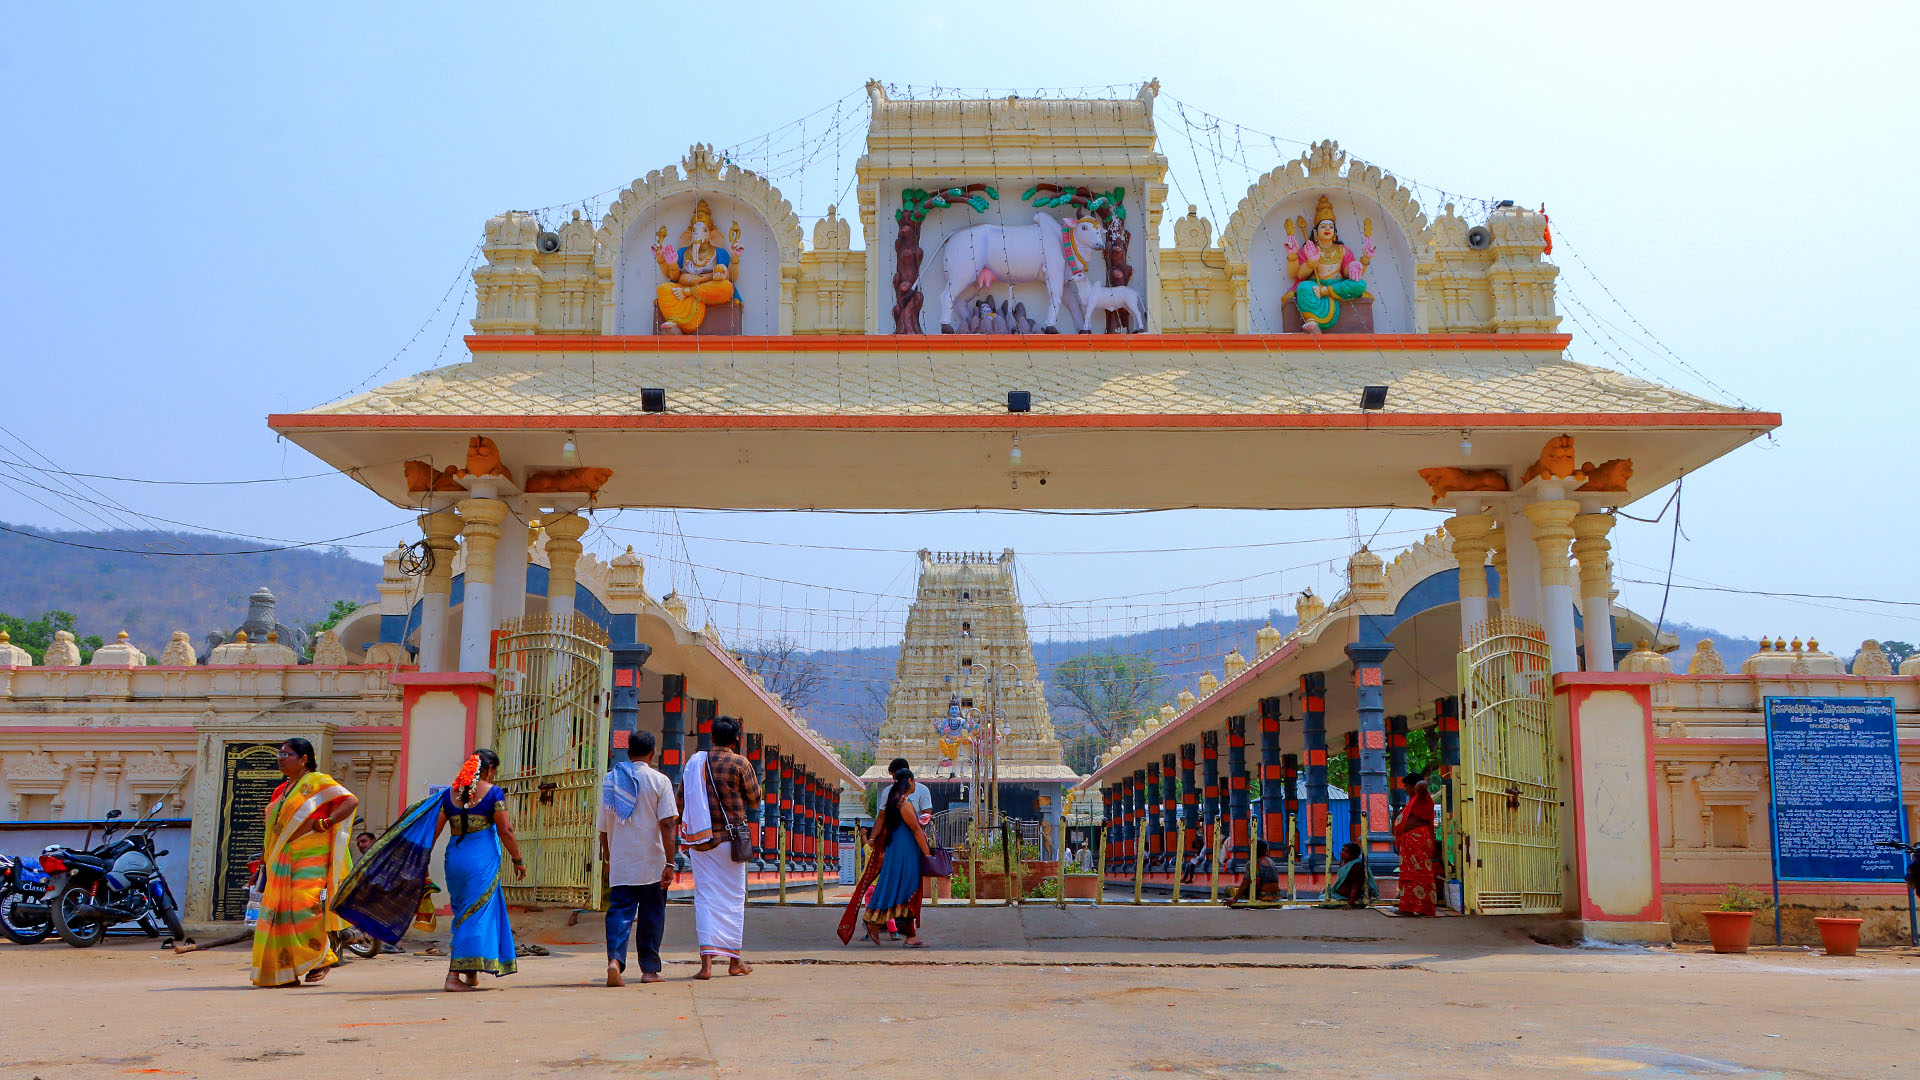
[699, 273]
[1323, 271]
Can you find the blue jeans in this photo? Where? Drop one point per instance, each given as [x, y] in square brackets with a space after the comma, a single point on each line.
[646, 905]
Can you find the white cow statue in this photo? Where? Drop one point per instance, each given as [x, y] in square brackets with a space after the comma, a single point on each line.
[1100, 299]
[973, 259]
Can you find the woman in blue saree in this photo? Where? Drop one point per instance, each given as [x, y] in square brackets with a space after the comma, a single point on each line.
[897, 888]
[383, 893]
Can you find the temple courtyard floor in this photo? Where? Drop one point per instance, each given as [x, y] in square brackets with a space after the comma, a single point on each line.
[1023, 992]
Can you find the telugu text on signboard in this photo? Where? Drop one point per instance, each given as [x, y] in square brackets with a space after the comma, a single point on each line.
[249, 774]
[1835, 771]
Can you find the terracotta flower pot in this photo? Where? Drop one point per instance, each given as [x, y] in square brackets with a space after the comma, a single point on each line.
[1083, 886]
[1730, 931]
[1840, 936]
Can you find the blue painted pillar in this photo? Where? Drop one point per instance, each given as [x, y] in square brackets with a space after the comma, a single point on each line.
[1369, 684]
[1273, 812]
[1189, 799]
[1142, 818]
[1237, 794]
[1154, 807]
[1290, 776]
[1313, 729]
[770, 812]
[673, 731]
[1396, 762]
[705, 711]
[1169, 810]
[1210, 791]
[629, 657]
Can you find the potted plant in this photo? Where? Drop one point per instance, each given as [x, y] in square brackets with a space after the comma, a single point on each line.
[1730, 927]
[1082, 885]
[1840, 935]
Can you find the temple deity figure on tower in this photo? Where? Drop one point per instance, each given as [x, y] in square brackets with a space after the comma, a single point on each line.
[698, 273]
[1324, 270]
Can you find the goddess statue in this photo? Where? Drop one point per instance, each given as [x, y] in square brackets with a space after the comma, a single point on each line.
[699, 272]
[1325, 271]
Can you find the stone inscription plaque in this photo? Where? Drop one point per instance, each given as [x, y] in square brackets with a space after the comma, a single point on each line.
[1835, 781]
[249, 772]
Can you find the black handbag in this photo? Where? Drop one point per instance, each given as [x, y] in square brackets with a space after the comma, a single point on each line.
[739, 844]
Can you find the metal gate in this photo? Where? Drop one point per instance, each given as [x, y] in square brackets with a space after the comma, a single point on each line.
[1508, 807]
[551, 717]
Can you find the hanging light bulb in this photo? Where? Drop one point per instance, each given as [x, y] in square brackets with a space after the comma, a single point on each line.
[1014, 455]
[1466, 443]
[569, 453]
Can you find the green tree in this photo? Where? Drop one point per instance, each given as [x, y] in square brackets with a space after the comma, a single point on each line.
[855, 757]
[1107, 693]
[1897, 651]
[340, 610]
[37, 635]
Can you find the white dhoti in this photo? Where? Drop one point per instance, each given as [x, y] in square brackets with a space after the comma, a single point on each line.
[719, 902]
[719, 883]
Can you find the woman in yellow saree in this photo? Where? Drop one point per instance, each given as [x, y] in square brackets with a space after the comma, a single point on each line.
[307, 840]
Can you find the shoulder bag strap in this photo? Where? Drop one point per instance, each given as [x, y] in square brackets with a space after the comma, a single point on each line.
[716, 801]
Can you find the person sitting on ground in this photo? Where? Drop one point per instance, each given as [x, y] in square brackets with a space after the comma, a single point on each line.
[1262, 870]
[1196, 862]
[1353, 884]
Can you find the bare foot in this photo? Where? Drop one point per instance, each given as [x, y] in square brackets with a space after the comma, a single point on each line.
[454, 985]
[706, 968]
[317, 976]
[651, 977]
[472, 978]
[739, 967]
[613, 974]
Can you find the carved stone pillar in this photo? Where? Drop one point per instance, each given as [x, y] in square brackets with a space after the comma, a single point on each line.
[481, 520]
[563, 560]
[442, 531]
[1471, 541]
[1596, 587]
[1552, 536]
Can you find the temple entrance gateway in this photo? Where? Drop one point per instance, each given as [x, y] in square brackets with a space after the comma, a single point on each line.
[1507, 795]
[1435, 376]
[554, 676]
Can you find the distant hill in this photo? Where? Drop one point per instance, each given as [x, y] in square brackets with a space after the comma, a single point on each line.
[151, 594]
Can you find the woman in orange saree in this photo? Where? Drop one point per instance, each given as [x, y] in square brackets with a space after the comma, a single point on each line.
[1413, 836]
[307, 839]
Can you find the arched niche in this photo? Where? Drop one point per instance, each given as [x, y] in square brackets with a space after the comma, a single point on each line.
[665, 198]
[1254, 241]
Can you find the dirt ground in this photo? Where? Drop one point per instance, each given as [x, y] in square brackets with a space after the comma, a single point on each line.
[1005, 993]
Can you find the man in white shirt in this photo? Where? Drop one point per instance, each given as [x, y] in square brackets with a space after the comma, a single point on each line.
[638, 840]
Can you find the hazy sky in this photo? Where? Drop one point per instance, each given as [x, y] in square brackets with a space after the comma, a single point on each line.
[222, 213]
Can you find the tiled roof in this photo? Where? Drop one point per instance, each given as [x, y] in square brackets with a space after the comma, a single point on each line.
[896, 377]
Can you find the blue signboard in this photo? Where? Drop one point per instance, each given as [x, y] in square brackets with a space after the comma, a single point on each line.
[1835, 770]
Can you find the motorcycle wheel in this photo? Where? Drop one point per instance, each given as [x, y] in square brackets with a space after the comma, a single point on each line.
[170, 915]
[148, 926]
[77, 933]
[16, 932]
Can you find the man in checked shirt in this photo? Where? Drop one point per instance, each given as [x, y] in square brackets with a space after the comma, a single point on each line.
[721, 795]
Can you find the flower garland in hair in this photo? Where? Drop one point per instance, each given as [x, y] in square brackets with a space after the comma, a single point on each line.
[468, 772]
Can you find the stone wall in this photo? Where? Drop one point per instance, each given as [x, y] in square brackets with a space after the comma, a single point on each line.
[1710, 781]
[77, 742]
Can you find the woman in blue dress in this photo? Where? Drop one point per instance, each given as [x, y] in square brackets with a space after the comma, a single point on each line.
[474, 811]
[896, 891]
[385, 891]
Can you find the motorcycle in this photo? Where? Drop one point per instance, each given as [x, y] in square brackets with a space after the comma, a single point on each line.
[114, 882]
[23, 911]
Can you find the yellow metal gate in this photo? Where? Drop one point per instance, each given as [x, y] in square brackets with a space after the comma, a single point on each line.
[1508, 798]
[552, 696]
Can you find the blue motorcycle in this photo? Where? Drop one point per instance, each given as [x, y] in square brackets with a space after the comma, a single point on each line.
[24, 915]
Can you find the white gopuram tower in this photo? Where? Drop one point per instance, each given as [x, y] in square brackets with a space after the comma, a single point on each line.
[966, 646]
